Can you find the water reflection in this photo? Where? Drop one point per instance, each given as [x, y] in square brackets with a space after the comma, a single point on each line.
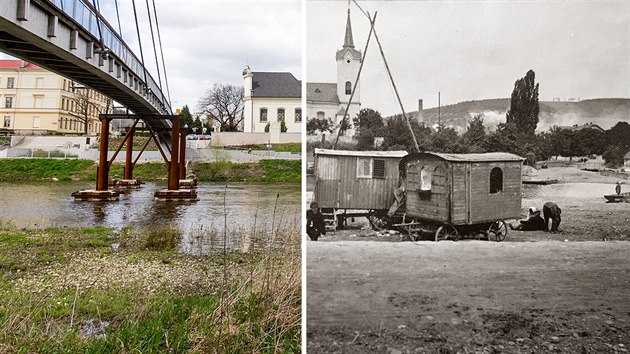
[239, 213]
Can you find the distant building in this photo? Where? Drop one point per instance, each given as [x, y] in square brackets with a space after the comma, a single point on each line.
[576, 127]
[330, 99]
[626, 159]
[34, 100]
[269, 98]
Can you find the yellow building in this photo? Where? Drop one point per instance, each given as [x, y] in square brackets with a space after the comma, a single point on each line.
[34, 100]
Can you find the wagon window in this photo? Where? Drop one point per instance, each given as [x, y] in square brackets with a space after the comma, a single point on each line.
[425, 178]
[496, 180]
[364, 167]
[379, 168]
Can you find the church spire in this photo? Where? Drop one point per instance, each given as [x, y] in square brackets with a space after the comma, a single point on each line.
[348, 42]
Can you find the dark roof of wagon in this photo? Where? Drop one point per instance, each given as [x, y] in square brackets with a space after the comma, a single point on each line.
[393, 154]
[276, 84]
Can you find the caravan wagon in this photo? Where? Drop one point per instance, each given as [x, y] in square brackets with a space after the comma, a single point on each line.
[455, 194]
[354, 183]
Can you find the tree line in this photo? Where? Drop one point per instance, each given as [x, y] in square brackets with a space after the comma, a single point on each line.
[516, 135]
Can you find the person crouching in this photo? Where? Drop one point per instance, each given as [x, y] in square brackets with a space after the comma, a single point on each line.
[533, 222]
[552, 211]
[315, 223]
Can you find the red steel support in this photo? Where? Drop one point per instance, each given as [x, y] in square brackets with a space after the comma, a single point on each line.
[128, 157]
[173, 171]
[182, 153]
[102, 172]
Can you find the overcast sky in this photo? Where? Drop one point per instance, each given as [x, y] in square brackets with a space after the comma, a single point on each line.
[472, 50]
[210, 41]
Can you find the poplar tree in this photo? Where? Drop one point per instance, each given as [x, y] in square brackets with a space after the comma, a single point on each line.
[522, 117]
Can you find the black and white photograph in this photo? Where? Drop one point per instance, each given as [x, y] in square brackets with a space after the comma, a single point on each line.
[467, 180]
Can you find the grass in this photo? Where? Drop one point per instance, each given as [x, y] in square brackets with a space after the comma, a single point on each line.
[67, 290]
[295, 148]
[85, 170]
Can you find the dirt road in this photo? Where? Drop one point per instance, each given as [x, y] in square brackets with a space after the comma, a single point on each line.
[468, 297]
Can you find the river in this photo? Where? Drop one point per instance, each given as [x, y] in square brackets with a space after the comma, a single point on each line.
[248, 206]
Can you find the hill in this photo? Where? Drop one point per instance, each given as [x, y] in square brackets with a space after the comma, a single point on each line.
[605, 112]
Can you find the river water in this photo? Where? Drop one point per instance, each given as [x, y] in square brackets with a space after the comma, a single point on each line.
[248, 206]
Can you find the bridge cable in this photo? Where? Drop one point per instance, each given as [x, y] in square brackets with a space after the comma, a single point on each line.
[135, 15]
[118, 17]
[157, 26]
[157, 65]
[98, 23]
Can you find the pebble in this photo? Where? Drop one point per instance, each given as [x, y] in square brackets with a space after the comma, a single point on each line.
[555, 339]
[511, 343]
[393, 351]
[609, 322]
[576, 335]
[520, 340]
[402, 326]
[551, 347]
[430, 318]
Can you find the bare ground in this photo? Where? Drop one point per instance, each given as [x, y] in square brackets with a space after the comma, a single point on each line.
[549, 294]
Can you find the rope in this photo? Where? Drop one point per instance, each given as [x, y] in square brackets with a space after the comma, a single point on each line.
[118, 17]
[135, 15]
[157, 65]
[157, 26]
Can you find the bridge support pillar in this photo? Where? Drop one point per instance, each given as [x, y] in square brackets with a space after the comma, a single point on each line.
[128, 181]
[183, 182]
[177, 157]
[102, 191]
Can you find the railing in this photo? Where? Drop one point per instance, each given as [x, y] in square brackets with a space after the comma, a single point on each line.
[86, 16]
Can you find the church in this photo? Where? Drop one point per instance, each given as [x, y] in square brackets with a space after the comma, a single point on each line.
[330, 99]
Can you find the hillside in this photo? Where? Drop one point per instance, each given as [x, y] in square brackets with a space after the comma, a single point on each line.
[604, 112]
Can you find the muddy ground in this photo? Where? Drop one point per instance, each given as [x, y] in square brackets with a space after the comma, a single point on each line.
[567, 292]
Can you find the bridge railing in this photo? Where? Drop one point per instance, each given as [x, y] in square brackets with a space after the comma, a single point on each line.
[85, 15]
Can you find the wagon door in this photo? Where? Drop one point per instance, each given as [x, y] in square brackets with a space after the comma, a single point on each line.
[439, 194]
[327, 185]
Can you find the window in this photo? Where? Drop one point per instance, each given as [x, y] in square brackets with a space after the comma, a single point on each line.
[10, 82]
[298, 114]
[425, 178]
[8, 102]
[364, 167]
[496, 180]
[263, 114]
[7, 122]
[39, 82]
[348, 88]
[379, 168]
[38, 101]
[280, 114]
[321, 115]
[35, 122]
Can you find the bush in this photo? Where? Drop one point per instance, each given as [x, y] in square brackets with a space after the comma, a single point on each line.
[161, 238]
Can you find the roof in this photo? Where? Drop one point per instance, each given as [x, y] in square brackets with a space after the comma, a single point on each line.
[322, 92]
[484, 157]
[393, 154]
[17, 64]
[275, 84]
[576, 127]
[627, 156]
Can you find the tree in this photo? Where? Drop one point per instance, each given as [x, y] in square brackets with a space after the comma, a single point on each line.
[223, 104]
[614, 155]
[618, 135]
[187, 118]
[523, 113]
[369, 124]
[397, 135]
[475, 136]
[445, 139]
[319, 124]
[85, 103]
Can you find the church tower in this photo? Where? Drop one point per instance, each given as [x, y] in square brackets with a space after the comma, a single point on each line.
[348, 62]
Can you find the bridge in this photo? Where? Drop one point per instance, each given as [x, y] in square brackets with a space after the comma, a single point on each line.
[73, 39]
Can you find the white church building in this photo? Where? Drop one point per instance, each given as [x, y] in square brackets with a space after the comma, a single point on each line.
[330, 99]
[269, 98]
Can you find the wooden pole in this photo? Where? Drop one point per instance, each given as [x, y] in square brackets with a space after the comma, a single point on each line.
[128, 156]
[182, 153]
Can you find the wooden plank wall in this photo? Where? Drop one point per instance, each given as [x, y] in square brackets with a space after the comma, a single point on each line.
[486, 206]
[338, 186]
[459, 191]
[437, 207]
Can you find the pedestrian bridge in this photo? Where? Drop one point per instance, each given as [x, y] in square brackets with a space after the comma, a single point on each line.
[72, 38]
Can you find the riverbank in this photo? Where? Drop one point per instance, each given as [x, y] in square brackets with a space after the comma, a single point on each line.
[130, 290]
[85, 170]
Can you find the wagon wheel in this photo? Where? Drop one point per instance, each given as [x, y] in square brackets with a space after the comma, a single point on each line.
[446, 232]
[498, 230]
[378, 221]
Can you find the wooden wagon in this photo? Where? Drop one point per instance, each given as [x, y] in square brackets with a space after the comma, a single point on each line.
[354, 183]
[460, 194]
